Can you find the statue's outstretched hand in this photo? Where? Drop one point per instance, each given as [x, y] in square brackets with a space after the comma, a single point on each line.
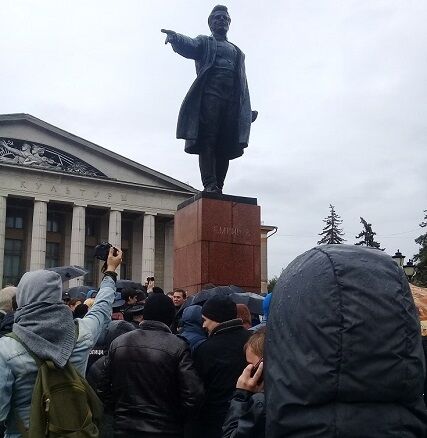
[170, 35]
[254, 115]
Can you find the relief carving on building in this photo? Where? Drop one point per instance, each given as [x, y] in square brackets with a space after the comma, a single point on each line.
[32, 154]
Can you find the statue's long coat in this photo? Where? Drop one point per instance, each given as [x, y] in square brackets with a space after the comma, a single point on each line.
[203, 50]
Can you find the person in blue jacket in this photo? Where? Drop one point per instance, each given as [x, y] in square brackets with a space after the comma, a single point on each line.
[45, 324]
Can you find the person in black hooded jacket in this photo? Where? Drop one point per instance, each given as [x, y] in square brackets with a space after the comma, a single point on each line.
[343, 350]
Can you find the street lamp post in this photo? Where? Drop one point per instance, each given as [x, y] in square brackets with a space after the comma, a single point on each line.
[409, 269]
[399, 258]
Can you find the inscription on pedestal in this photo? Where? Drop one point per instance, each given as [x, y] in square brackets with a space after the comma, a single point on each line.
[230, 231]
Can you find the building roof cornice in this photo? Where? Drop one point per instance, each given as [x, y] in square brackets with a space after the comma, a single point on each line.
[28, 118]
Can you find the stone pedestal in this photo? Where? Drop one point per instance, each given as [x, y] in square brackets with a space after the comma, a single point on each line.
[217, 240]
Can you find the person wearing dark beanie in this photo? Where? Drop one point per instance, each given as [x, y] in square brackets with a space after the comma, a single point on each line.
[152, 367]
[220, 309]
[219, 361]
[159, 307]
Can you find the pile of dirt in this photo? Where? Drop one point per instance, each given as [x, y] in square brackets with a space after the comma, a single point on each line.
[420, 298]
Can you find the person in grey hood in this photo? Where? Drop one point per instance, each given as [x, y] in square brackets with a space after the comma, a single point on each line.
[46, 326]
[343, 349]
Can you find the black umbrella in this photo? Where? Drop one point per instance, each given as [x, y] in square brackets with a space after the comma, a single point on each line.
[204, 295]
[69, 272]
[237, 289]
[79, 291]
[129, 284]
[253, 301]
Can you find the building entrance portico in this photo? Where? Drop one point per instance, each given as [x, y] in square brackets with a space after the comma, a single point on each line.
[41, 234]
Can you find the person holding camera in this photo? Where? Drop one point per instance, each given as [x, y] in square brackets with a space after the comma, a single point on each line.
[45, 325]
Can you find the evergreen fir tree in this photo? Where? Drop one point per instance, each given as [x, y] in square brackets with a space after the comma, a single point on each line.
[367, 236]
[421, 257]
[331, 233]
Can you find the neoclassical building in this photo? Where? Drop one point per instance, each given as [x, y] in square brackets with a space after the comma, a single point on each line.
[61, 195]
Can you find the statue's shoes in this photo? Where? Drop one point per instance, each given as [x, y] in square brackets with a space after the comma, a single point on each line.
[213, 189]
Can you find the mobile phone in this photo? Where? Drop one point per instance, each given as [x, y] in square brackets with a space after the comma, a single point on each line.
[255, 368]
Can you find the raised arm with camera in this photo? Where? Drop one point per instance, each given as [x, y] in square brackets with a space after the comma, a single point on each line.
[45, 325]
[98, 317]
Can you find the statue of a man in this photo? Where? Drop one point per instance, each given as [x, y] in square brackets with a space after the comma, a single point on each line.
[215, 117]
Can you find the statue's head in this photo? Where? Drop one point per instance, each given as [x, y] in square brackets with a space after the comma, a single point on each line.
[219, 20]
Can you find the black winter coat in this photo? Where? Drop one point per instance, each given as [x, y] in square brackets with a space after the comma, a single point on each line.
[343, 352]
[150, 382]
[219, 361]
[246, 416]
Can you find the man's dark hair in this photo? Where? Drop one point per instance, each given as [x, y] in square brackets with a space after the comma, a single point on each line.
[80, 311]
[216, 9]
[159, 307]
[158, 290]
[74, 301]
[128, 293]
[141, 296]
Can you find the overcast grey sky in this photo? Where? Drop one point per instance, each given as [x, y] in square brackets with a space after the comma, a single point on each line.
[340, 86]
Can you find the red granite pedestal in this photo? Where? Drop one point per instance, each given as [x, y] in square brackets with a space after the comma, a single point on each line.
[217, 240]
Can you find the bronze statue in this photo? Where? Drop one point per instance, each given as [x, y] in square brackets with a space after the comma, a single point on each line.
[215, 117]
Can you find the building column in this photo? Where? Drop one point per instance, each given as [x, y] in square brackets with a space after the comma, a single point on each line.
[169, 250]
[77, 251]
[148, 246]
[115, 231]
[137, 250]
[3, 200]
[38, 236]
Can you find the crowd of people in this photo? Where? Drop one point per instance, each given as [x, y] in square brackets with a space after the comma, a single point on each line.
[338, 354]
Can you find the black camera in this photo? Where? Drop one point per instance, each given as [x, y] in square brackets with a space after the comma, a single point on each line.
[150, 279]
[102, 250]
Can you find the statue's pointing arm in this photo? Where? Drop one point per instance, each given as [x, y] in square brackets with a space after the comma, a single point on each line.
[183, 45]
